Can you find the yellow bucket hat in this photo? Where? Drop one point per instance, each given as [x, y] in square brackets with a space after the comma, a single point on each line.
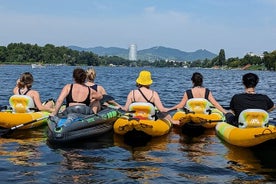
[144, 78]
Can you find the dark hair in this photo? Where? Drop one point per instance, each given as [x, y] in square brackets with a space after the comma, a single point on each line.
[140, 85]
[250, 80]
[79, 75]
[197, 79]
[26, 79]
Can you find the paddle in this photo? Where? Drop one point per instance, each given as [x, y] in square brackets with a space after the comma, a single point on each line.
[5, 132]
[4, 107]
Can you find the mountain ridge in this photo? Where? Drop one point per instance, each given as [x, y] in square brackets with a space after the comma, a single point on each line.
[151, 54]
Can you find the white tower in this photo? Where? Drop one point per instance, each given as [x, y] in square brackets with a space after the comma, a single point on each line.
[132, 56]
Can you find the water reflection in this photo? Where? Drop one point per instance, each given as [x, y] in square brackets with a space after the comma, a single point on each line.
[145, 160]
[21, 152]
[176, 157]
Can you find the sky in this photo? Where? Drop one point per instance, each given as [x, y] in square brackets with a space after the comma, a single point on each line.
[237, 26]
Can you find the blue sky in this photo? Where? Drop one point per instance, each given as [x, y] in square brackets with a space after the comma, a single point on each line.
[237, 26]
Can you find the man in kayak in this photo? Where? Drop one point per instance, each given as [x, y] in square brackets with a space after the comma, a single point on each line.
[249, 99]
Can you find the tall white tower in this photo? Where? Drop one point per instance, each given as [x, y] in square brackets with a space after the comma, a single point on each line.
[132, 55]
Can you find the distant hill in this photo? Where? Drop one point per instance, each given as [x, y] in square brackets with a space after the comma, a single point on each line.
[151, 54]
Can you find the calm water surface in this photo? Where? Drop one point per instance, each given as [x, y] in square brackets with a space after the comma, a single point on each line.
[173, 158]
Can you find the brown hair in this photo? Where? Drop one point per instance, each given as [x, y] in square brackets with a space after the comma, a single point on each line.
[79, 75]
[26, 79]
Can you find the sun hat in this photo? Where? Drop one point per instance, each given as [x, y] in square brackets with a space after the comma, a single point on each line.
[144, 78]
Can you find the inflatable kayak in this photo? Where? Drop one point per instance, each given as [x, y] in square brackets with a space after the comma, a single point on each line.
[141, 118]
[254, 129]
[79, 122]
[200, 113]
[21, 111]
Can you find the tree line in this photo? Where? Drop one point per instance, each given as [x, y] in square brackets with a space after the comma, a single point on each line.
[20, 53]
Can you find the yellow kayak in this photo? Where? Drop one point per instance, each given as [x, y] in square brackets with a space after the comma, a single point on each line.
[22, 111]
[199, 111]
[245, 137]
[142, 119]
[9, 119]
[254, 129]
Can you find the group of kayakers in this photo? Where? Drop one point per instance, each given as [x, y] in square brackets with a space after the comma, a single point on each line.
[84, 91]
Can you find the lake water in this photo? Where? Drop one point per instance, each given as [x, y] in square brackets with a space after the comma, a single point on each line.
[174, 158]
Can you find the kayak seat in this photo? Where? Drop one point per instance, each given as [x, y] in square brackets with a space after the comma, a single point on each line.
[198, 106]
[251, 118]
[142, 110]
[21, 103]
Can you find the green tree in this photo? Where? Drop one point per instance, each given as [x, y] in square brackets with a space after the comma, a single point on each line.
[221, 58]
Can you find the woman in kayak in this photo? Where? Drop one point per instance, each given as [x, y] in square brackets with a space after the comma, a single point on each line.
[78, 93]
[24, 87]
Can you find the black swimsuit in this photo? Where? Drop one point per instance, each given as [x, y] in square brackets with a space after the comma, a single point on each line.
[24, 93]
[69, 98]
[95, 87]
[190, 94]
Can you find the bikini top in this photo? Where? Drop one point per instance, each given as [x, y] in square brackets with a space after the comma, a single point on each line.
[190, 94]
[69, 98]
[95, 87]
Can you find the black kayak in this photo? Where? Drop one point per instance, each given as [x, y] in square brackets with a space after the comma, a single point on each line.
[79, 122]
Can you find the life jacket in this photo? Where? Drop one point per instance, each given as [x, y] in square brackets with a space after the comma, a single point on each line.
[142, 110]
[21, 103]
[198, 106]
[252, 118]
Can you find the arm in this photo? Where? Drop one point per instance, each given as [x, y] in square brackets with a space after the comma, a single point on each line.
[158, 103]
[15, 89]
[37, 101]
[182, 103]
[95, 95]
[61, 98]
[112, 102]
[128, 101]
[216, 104]
[101, 90]
[271, 109]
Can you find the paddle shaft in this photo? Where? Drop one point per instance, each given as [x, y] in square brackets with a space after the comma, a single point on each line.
[30, 122]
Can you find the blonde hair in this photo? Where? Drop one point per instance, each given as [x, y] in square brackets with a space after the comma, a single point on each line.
[91, 74]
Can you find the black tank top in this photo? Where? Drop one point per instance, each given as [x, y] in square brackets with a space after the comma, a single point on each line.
[69, 98]
[190, 94]
[24, 93]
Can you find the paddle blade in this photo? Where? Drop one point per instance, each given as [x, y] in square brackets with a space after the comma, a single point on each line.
[5, 132]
